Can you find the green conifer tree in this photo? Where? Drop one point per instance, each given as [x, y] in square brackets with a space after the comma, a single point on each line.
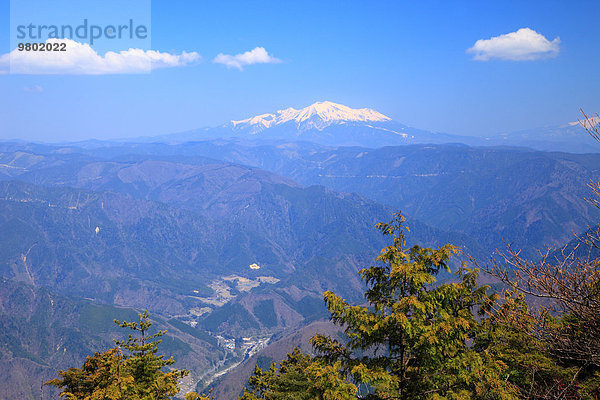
[415, 339]
[131, 371]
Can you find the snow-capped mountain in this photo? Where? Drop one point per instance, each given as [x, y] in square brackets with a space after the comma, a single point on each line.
[324, 123]
[316, 116]
[334, 124]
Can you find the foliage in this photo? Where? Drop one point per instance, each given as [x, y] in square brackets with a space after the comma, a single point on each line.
[567, 321]
[100, 377]
[132, 370]
[568, 286]
[299, 377]
[415, 338]
[530, 365]
[196, 396]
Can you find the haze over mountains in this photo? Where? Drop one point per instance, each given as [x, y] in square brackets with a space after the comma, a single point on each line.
[332, 124]
[230, 239]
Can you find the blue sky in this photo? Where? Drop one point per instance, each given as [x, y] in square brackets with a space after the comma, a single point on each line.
[407, 60]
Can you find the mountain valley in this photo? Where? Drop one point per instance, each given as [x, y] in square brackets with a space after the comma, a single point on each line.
[231, 242]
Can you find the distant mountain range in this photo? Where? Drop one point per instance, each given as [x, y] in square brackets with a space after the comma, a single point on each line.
[492, 194]
[230, 242]
[332, 124]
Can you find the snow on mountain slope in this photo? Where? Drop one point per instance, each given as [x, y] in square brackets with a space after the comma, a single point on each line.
[316, 116]
[325, 123]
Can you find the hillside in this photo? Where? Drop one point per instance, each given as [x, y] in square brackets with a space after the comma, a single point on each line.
[494, 195]
[43, 331]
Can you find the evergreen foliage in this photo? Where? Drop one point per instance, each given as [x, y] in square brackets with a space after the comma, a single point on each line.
[299, 377]
[132, 370]
[416, 339]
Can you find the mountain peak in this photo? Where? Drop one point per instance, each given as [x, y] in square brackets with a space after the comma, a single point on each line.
[316, 116]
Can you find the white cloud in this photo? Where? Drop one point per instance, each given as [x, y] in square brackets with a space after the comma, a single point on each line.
[81, 59]
[522, 45]
[34, 89]
[256, 56]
